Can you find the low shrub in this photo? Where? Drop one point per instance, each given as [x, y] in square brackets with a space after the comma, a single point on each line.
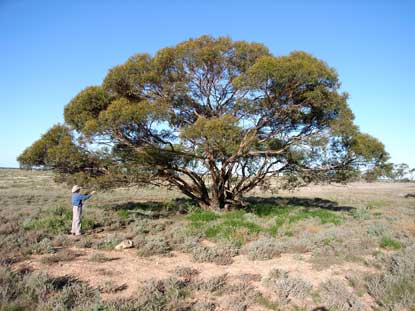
[202, 253]
[336, 296]
[214, 285]
[395, 289]
[186, 273]
[286, 288]
[34, 291]
[377, 229]
[166, 294]
[390, 243]
[361, 213]
[44, 247]
[99, 257]
[155, 245]
[262, 249]
[110, 287]
[64, 255]
[108, 242]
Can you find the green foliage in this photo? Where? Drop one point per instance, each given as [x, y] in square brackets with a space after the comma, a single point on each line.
[86, 106]
[210, 116]
[236, 226]
[375, 204]
[55, 149]
[361, 213]
[325, 216]
[390, 243]
[292, 214]
[222, 134]
[123, 214]
[200, 215]
[228, 229]
[57, 220]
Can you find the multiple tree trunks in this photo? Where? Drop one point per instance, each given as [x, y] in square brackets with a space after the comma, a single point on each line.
[214, 118]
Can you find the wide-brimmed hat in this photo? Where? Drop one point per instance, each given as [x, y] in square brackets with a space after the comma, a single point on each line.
[75, 188]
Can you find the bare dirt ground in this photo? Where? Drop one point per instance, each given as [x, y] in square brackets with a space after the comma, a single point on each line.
[124, 268]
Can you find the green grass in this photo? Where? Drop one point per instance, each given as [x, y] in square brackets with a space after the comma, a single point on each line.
[376, 204]
[123, 214]
[325, 216]
[57, 220]
[228, 225]
[266, 209]
[200, 215]
[294, 213]
[390, 243]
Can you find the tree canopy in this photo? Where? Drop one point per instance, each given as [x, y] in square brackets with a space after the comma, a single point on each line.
[214, 118]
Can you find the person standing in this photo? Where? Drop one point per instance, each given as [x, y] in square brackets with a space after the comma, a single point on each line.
[77, 202]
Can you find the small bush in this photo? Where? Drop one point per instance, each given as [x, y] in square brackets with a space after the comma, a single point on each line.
[73, 296]
[186, 273]
[44, 247]
[377, 229]
[142, 226]
[64, 255]
[238, 297]
[262, 249]
[214, 284]
[85, 242]
[360, 213]
[60, 240]
[111, 287]
[156, 245]
[395, 289]
[99, 257]
[10, 287]
[285, 287]
[207, 254]
[204, 306]
[32, 291]
[337, 297]
[162, 295]
[390, 243]
[109, 242]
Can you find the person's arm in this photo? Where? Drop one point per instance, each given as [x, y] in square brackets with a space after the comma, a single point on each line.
[85, 196]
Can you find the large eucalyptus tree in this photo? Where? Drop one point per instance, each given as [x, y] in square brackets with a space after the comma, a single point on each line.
[214, 118]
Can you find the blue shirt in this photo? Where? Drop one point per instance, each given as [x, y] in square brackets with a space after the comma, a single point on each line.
[77, 198]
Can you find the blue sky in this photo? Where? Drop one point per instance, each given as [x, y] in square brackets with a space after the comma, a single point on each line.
[50, 50]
